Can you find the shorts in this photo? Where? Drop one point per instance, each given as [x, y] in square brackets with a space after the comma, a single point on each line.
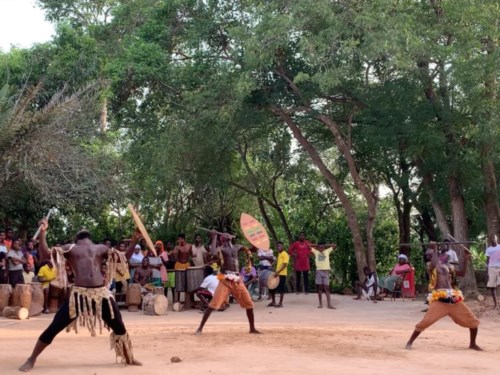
[237, 289]
[493, 277]
[170, 283]
[281, 288]
[322, 277]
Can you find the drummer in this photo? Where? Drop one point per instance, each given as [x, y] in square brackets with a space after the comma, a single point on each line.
[144, 273]
[282, 272]
[230, 281]
[199, 252]
[46, 274]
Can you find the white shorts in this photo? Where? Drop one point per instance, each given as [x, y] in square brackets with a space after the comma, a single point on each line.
[493, 277]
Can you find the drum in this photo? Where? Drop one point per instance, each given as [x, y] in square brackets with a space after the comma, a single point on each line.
[15, 312]
[194, 278]
[180, 280]
[177, 307]
[22, 296]
[56, 296]
[5, 294]
[154, 304]
[134, 297]
[267, 278]
[158, 290]
[36, 306]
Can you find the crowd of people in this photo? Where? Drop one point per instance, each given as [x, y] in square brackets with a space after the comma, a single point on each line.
[22, 263]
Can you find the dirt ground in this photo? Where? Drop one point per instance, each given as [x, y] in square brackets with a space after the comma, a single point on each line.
[357, 338]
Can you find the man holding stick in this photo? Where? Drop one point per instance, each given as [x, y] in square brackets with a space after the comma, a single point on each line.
[85, 259]
[230, 281]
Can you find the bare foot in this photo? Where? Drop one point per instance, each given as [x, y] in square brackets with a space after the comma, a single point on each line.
[475, 347]
[320, 306]
[135, 363]
[198, 333]
[331, 307]
[408, 346]
[28, 365]
[357, 298]
[255, 331]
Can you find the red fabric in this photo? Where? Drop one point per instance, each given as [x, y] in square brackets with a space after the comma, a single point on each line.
[300, 251]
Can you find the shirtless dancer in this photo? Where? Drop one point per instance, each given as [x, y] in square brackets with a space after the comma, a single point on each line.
[447, 301]
[182, 252]
[232, 282]
[85, 259]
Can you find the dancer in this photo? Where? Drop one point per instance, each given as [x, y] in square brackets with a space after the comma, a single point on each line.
[445, 301]
[230, 281]
[89, 290]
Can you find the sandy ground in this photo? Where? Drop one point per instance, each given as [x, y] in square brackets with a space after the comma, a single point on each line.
[357, 338]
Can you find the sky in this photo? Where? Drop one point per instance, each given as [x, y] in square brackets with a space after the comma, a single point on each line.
[22, 24]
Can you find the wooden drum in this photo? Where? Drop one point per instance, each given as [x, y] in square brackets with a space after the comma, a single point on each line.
[22, 296]
[5, 294]
[134, 297]
[36, 306]
[56, 297]
[16, 312]
[154, 304]
[194, 278]
[158, 290]
[267, 278]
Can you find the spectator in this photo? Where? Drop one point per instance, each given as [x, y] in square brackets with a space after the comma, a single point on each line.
[33, 252]
[16, 260]
[207, 288]
[28, 274]
[249, 274]
[3, 257]
[369, 288]
[300, 251]
[170, 266]
[46, 274]
[120, 279]
[135, 260]
[200, 253]
[266, 259]
[493, 262]
[396, 274]
[322, 259]
[9, 237]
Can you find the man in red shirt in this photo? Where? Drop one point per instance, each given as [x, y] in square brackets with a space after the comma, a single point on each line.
[300, 251]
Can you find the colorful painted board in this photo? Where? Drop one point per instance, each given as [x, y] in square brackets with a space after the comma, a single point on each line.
[142, 229]
[254, 232]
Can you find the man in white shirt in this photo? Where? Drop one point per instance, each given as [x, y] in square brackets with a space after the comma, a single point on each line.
[493, 262]
[207, 287]
[266, 258]
[200, 254]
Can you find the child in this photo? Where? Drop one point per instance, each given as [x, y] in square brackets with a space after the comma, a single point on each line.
[322, 259]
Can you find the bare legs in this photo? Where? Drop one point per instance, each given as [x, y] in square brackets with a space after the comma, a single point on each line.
[45, 300]
[326, 289]
[472, 345]
[208, 312]
[30, 362]
[494, 295]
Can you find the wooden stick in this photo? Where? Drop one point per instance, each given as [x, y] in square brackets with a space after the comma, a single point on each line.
[142, 229]
[437, 243]
[40, 227]
[222, 234]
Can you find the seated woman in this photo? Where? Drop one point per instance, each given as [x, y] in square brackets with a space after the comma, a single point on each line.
[395, 278]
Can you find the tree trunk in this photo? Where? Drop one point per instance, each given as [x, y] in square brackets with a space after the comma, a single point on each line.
[443, 226]
[352, 220]
[491, 198]
[460, 232]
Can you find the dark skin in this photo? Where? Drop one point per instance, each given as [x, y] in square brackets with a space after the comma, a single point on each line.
[85, 258]
[444, 282]
[16, 246]
[143, 274]
[363, 286]
[183, 251]
[272, 292]
[324, 288]
[46, 290]
[230, 263]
